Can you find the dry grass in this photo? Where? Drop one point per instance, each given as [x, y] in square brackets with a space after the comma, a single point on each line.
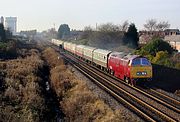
[52, 57]
[177, 92]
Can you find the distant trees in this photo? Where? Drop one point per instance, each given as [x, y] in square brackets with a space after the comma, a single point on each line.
[124, 26]
[87, 33]
[8, 33]
[108, 27]
[88, 28]
[153, 25]
[63, 31]
[150, 24]
[131, 37]
[2, 33]
[162, 25]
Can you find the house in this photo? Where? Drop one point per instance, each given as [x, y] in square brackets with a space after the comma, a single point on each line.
[173, 40]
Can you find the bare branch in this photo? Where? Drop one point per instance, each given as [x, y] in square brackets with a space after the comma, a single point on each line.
[151, 24]
[162, 25]
[124, 25]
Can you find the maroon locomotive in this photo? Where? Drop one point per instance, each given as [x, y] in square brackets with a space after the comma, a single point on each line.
[130, 68]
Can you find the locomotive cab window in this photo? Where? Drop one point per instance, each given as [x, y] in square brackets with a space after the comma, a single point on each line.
[140, 61]
[144, 61]
[136, 61]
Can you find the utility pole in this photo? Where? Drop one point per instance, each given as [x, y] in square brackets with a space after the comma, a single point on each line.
[54, 26]
[96, 26]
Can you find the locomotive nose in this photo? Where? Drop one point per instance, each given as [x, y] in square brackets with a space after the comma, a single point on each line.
[141, 72]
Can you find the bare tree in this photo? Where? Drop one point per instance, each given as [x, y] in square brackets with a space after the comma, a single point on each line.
[162, 25]
[124, 26]
[108, 27]
[151, 24]
[88, 28]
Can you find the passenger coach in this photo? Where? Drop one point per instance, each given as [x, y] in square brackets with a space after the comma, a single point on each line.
[128, 67]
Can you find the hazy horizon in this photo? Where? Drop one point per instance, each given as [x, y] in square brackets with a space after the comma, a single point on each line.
[43, 14]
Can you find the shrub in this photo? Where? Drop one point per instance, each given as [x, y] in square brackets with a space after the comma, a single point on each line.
[160, 56]
[52, 57]
[177, 65]
[177, 92]
[22, 96]
[157, 45]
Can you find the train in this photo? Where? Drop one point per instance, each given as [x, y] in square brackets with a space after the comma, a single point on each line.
[125, 66]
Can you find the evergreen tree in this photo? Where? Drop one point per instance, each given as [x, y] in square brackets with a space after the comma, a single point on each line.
[2, 32]
[63, 31]
[131, 37]
[8, 34]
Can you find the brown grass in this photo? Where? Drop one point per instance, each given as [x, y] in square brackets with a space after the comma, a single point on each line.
[177, 92]
[52, 57]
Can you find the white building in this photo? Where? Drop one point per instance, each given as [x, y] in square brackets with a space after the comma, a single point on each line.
[11, 24]
[174, 41]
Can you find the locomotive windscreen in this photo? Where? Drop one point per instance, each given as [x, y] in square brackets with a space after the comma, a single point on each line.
[140, 61]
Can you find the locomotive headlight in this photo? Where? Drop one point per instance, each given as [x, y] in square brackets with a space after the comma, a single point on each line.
[141, 73]
[144, 73]
[138, 73]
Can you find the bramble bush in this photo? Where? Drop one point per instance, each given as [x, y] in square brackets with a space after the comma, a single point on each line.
[21, 99]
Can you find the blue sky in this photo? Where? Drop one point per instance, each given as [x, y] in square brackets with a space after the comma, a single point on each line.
[42, 14]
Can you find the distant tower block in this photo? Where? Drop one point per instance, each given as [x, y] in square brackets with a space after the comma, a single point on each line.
[11, 24]
[2, 20]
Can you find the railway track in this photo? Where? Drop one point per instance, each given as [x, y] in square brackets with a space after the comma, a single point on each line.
[111, 91]
[164, 99]
[142, 108]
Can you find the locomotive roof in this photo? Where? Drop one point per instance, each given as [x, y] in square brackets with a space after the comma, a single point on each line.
[124, 55]
[130, 57]
[118, 54]
[102, 51]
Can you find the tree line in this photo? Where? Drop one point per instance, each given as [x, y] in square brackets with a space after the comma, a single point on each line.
[4, 34]
[154, 25]
[126, 33]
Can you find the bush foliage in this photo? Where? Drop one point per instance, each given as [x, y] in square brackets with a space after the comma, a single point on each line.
[8, 49]
[160, 52]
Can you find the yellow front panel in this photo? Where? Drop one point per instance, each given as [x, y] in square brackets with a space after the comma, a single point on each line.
[141, 72]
